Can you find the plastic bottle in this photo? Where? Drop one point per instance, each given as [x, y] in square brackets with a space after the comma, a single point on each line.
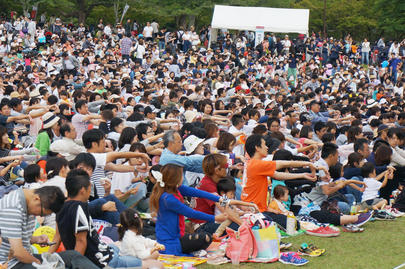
[392, 199]
[353, 209]
[291, 224]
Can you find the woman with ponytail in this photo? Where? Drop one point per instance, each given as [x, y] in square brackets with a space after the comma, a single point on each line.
[167, 201]
[57, 170]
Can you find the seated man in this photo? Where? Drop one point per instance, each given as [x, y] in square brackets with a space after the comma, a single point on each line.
[258, 171]
[18, 210]
[75, 228]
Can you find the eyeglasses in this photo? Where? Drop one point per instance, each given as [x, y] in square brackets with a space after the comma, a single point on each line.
[42, 208]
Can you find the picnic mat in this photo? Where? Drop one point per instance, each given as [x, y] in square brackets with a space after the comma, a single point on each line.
[171, 261]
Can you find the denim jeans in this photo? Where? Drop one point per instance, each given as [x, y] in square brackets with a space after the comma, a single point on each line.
[365, 58]
[133, 199]
[112, 217]
[161, 45]
[345, 207]
[71, 258]
[123, 261]
[357, 194]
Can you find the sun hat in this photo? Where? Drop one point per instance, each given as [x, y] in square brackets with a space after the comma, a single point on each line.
[190, 115]
[14, 95]
[191, 143]
[49, 119]
[371, 103]
[35, 93]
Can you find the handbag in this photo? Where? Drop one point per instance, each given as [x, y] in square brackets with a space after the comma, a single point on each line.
[50, 261]
[242, 243]
[268, 242]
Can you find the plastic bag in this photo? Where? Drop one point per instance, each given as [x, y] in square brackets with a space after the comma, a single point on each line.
[50, 261]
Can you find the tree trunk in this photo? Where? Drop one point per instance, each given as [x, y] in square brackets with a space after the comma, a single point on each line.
[81, 10]
[191, 20]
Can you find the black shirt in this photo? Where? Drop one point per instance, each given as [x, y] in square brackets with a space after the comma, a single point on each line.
[74, 218]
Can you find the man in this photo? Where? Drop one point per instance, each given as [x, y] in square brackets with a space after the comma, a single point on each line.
[258, 171]
[8, 121]
[94, 142]
[126, 44]
[70, 63]
[67, 147]
[292, 118]
[361, 146]
[237, 129]
[148, 32]
[18, 210]
[319, 131]
[82, 118]
[173, 145]
[76, 230]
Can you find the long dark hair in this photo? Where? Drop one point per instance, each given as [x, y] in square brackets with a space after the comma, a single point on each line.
[129, 218]
[3, 131]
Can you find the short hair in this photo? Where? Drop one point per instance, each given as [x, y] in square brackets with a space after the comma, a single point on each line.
[168, 137]
[76, 180]
[211, 161]
[31, 173]
[226, 184]
[352, 132]
[271, 120]
[252, 142]
[90, 136]
[335, 171]
[236, 119]
[328, 149]
[53, 100]
[367, 169]
[253, 112]
[279, 191]
[80, 103]
[359, 144]
[54, 165]
[328, 137]
[394, 131]
[114, 123]
[64, 128]
[225, 140]
[319, 125]
[52, 198]
[259, 129]
[83, 158]
[278, 135]
[14, 102]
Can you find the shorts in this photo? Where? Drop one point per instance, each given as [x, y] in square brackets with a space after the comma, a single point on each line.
[368, 204]
[324, 216]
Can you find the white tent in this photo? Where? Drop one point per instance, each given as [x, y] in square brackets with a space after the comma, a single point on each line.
[277, 20]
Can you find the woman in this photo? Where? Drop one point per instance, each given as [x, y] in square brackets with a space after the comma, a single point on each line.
[168, 202]
[49, 131]
[116, 127]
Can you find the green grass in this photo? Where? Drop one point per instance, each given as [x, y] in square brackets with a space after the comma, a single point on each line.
[381, 245]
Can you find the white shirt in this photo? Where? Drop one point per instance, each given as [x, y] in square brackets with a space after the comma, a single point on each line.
[136, 245]
[57, 181]
[371, 191]
[148, 31]
[67, 148]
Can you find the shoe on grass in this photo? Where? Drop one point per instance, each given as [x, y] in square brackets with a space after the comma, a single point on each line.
[352, 228]
[363, 219]
[306, 250]
[292, 258]
[323, 232]
[313, 247]
[382, 215]
[284, 245]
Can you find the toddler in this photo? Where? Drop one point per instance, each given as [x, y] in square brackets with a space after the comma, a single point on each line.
[132, 241]
[277, 205]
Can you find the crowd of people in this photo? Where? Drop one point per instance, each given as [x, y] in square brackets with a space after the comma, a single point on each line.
[108, 123]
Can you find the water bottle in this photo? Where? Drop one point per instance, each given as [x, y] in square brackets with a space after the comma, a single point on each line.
[392, 199]
[291, 224]
[353, 209]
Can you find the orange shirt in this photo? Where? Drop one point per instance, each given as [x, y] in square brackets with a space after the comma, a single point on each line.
[256, 188]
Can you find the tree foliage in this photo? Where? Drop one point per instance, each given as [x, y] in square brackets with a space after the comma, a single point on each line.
[360, 18]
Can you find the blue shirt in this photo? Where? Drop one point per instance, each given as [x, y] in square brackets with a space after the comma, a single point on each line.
[189, 163]
[167, 223]
[320, 116]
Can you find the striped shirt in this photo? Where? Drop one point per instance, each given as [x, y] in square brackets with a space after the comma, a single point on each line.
[99, 173]
[14, 223]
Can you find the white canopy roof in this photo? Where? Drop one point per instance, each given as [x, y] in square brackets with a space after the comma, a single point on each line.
[280, 20]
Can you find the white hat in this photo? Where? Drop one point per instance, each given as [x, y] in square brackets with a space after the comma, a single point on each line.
[35, 93]
[191, 143]
[371, 103]
[49, 120]
[383, 101]
[256, 102]
[113, 96]
[190, 115]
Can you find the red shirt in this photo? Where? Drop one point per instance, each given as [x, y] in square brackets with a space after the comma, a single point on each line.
[205, 205]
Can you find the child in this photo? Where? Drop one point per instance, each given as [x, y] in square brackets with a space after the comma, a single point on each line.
[226, 187]
[32, 176]
[132, 241]
[370, 197]
[277, 205]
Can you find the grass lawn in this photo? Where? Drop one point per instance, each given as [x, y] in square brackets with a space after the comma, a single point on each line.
[381, 245]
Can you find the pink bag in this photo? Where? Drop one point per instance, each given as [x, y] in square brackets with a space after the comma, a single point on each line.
[241, 243]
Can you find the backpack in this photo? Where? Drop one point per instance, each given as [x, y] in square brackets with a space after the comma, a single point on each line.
[242, 243]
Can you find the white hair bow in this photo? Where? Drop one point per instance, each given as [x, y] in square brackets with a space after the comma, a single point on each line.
[159, 177]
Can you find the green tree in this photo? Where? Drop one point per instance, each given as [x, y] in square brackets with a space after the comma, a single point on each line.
[391, 17]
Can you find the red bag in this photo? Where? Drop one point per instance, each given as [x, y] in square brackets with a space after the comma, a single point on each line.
[241, 243]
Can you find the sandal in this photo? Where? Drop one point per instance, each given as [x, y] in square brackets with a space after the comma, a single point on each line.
[313, 247]
[306, 250]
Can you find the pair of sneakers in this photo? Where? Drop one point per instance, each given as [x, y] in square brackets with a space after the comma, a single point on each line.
[382, 215]
[292, 258]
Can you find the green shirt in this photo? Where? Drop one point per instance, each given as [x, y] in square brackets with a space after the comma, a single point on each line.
[43, 143]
